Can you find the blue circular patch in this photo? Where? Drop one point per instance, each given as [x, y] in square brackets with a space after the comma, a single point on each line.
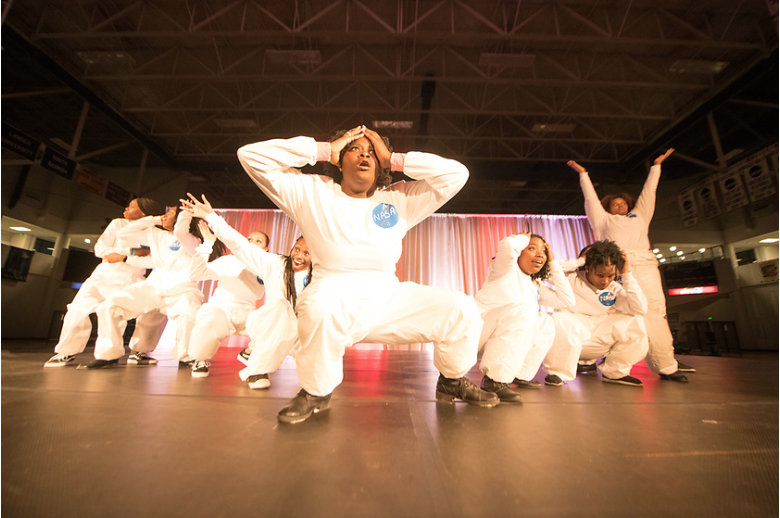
[630, 215]
[385, 215]
[175, 245]
[607, 298]
[306, 280]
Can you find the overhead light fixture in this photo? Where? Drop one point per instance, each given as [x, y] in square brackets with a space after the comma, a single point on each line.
[20, 229]
[655, 250]
[489, 59]
[106, 57]
[294, 57]
[697, 66]
[234, 123]
[393, 124]
[680, 252]
[662, 260]
[88, 241]
[659, 255]
[553, 128]
[682, 258]
[769, 240]
[702, 250]
[672, 248]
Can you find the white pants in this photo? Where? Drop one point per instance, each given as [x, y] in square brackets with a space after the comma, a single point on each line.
[76, 326]
[136, 300]
[213, 323]
[514, 342]
[620, 338]
[273, 329]
[660, 356]
[335, 312]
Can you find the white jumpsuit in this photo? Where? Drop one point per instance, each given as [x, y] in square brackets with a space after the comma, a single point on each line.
[226, 312]
[106, 279]
[168, 291]
[630, 232]
[517, 335]
[604, 322]
[272, 328]
[355, 244]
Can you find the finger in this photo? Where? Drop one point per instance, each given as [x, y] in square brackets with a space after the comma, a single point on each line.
[205, 201]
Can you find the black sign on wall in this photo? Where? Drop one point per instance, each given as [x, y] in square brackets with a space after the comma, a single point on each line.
[58, 163]
[16, 141]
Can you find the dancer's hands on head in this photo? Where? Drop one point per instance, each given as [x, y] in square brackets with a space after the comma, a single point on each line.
[660, 159]
[383, 154]
[625, 268]
[196, 208]
[577, 167]
[548, 249]
[337, 145]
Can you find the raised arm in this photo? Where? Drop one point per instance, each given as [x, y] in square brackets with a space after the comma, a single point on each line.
[181, 230]
[645, 204]
[593, 208]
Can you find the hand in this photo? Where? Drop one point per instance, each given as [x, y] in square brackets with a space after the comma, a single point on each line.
[141, 252]
[195, 207]
[337, 145]
[625, 268]
[383, 154]
[577, 167]
[113, 258]
[205, 231]
[548, 249]
[660, 159]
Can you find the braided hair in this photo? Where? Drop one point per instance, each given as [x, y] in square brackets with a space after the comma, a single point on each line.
[290, 292]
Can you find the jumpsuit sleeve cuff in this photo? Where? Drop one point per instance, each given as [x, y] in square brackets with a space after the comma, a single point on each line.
[323, 151]
[397, 162]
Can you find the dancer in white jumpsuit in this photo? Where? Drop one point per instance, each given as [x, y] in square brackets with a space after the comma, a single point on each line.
[605, 321]
[123, 263]
[273, 328]
[168, 291]
[618, 219]
[354, 230]
[517, 335]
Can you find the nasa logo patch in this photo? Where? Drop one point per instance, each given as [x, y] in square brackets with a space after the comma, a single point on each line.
[630, 215]
[175, 245]
[385, 215]
[607, 298]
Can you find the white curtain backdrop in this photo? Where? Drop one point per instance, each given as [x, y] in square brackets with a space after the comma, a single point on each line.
[446, 250]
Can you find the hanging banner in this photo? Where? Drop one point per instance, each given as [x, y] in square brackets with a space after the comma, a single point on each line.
[732, 189]
[90, 181]
[117, 194]
[706, 198]
[758, 180]
[57, 163]
[687, 203]
[19, 143]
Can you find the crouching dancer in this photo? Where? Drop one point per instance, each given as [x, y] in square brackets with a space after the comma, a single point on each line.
[354, 224]
[517, 335]
[606, 320]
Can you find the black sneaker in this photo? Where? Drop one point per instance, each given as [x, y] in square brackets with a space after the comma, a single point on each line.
[681, 367]
[200, 369]
[59, 360]
[98, 364]
[586, 368]
[553, 380]
[504, 392]
[243, 356]
[186, 364]
[258, 381]
[675, 376]
[527, 384]
[139, 358]
[625, 380]
[302, 406]
[447, 389]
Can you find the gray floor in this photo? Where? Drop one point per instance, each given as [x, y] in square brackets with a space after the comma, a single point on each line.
[152, 441]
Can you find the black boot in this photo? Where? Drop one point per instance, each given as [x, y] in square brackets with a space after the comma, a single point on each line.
[504, 392]
[447, 389]
[675, 376]
[302, 406]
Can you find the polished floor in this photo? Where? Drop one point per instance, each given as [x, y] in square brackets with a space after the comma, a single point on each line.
[153, 441]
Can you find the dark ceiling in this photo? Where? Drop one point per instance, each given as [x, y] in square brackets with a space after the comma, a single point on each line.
[513, 89]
